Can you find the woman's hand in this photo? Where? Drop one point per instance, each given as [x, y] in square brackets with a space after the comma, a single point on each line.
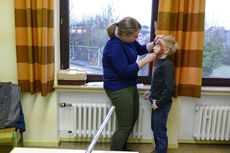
[147, 59]
[146, 95]
[150, 57]
[158, 37]
[150, 45]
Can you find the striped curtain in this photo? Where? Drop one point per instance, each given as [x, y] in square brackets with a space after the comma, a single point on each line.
[184, 19]
[35, 45]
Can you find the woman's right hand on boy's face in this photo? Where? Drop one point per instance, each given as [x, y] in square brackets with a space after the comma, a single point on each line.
[146, 95]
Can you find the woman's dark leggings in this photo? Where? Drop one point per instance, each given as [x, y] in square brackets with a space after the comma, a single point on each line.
[126, 102]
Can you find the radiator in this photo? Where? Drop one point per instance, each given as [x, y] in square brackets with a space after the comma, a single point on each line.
[88, 117]
[212, 122]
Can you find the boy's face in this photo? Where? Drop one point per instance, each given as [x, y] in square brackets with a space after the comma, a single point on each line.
[158, 49]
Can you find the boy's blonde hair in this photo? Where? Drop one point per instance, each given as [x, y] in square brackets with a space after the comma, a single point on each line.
[170, 43]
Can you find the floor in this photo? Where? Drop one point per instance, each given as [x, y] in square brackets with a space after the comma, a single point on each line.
[147, 148]
[141, 148]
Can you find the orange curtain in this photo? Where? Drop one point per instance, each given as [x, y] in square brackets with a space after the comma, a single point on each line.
[184, 19]
[35, 45]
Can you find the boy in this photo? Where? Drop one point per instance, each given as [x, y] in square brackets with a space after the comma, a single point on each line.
[162, 90]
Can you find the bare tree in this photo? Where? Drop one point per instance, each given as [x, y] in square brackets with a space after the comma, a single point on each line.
[88, 35]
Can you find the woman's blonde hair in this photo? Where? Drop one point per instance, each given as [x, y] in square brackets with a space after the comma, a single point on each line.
[127, 25]
[170, 43]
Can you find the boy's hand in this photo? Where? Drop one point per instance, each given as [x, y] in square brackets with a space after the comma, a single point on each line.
[146, 95]
[154, 105]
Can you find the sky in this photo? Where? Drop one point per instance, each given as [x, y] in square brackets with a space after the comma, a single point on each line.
[217, 11]
[140, 10]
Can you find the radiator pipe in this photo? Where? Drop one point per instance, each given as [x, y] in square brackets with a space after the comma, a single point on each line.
[64, 105]
[96, 137]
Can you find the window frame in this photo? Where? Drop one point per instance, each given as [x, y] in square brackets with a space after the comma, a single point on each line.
[64, 48]
[64, 41]
[221, 82]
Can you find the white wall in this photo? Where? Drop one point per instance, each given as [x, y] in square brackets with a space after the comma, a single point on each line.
[40, 112]
[188, 111]
[8, 66]
[181, 117]
[66, 118]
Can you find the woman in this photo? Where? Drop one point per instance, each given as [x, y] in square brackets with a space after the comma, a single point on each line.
[120, 72]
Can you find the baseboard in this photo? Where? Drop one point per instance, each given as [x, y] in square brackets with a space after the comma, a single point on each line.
[80, 139]
[107, 140]
[41, 143]
[202, 141]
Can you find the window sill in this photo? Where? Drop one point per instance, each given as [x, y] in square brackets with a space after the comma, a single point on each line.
[81, 88]
[205, 90]
[92, 88]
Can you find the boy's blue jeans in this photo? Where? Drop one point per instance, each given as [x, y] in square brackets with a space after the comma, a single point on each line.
[158, 124]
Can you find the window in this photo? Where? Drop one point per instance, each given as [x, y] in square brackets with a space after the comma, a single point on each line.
[216, 53]
[81, 23]
[83, 32]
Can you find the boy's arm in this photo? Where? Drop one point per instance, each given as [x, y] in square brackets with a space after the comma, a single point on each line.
[168, 74]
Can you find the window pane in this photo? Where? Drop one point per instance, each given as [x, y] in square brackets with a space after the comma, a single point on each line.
[216, 55]
[88, 22]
